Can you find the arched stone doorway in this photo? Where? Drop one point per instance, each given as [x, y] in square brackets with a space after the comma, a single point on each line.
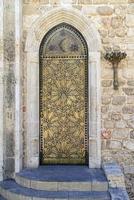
[36, 33]
[63, 97]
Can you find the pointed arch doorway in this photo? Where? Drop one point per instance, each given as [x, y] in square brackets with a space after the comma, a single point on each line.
[63, 97]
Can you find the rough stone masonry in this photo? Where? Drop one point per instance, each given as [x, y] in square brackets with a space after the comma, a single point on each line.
[114, 19]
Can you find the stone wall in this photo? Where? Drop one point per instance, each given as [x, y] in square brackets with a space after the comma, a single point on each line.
[114, 20]
[115, 23]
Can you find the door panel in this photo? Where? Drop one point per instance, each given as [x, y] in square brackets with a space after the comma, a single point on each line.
[63, 97]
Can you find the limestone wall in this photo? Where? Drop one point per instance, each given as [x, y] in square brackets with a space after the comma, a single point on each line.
[114, 20]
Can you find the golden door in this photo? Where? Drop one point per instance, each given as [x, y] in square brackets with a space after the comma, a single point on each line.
[63, 97]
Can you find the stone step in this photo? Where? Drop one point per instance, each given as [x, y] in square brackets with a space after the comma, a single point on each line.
[1, 198]
[63, 178]
[10, 190]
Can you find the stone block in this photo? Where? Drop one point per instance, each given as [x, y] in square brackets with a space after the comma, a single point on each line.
[128, 109]
[129, 91]
[114, 144]
[129, 144]
[44, 1]
[120, 133]
[130, 100]
[106, 100]
[120, 124]
[30, 9]
[132, 134]
[130, 32]
[121, 32]
[107, 73]
[130, 82]
[10, 165]
[117, 22]
[118, 193]
[130, 121]
[10, 147]
[130, 46]
[118, 100]
[105, 10]
[40, 185]
[130, 1]
[107, 91]
[109, 1]
[104, 109]
[89, 10]
[114, 175]
[103, 32]
[108, 124]
[106, 83]
[85, 2]
[128, 73]
[74, 186]
[116, 116]
[55, 2]
[23, 181]
[99, 186]
[130, 20]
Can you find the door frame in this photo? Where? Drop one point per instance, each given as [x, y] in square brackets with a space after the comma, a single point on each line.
[35, 35]
[45, 39]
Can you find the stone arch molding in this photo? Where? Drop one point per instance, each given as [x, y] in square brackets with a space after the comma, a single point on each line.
[35, 35]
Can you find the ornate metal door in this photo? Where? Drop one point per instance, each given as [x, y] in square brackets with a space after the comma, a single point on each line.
[63, 97]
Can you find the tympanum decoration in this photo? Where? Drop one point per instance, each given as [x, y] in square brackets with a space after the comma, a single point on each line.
[115, 57]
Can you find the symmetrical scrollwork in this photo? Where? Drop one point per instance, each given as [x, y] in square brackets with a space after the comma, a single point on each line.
[63, 101]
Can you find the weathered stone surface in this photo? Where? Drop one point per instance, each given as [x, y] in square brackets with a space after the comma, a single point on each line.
[30, 10]
[106, 83]
[130, 32]
[130, 1]
[10, 145]
[9, 167]
[130, 82]
[130, 121]
[109, 1]
[129, 91]
[106, 22]
[106, 100]
[117, 22]
[120, 124]
[114, 175]
[130, 99]
[116, 116]
[55, 2]
[118, 100]
[120, 32]
[120, 10]
[114, 144]
[128, 109]
[132, 134]
[120, 133]
[105, 10]
[129, 144]
[130, 20]
[104, 109]
[128, 73]
[103, 32]
[108, 124]
[107, 91]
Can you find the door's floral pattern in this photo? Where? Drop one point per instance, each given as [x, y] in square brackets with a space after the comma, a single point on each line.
[62, 108]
